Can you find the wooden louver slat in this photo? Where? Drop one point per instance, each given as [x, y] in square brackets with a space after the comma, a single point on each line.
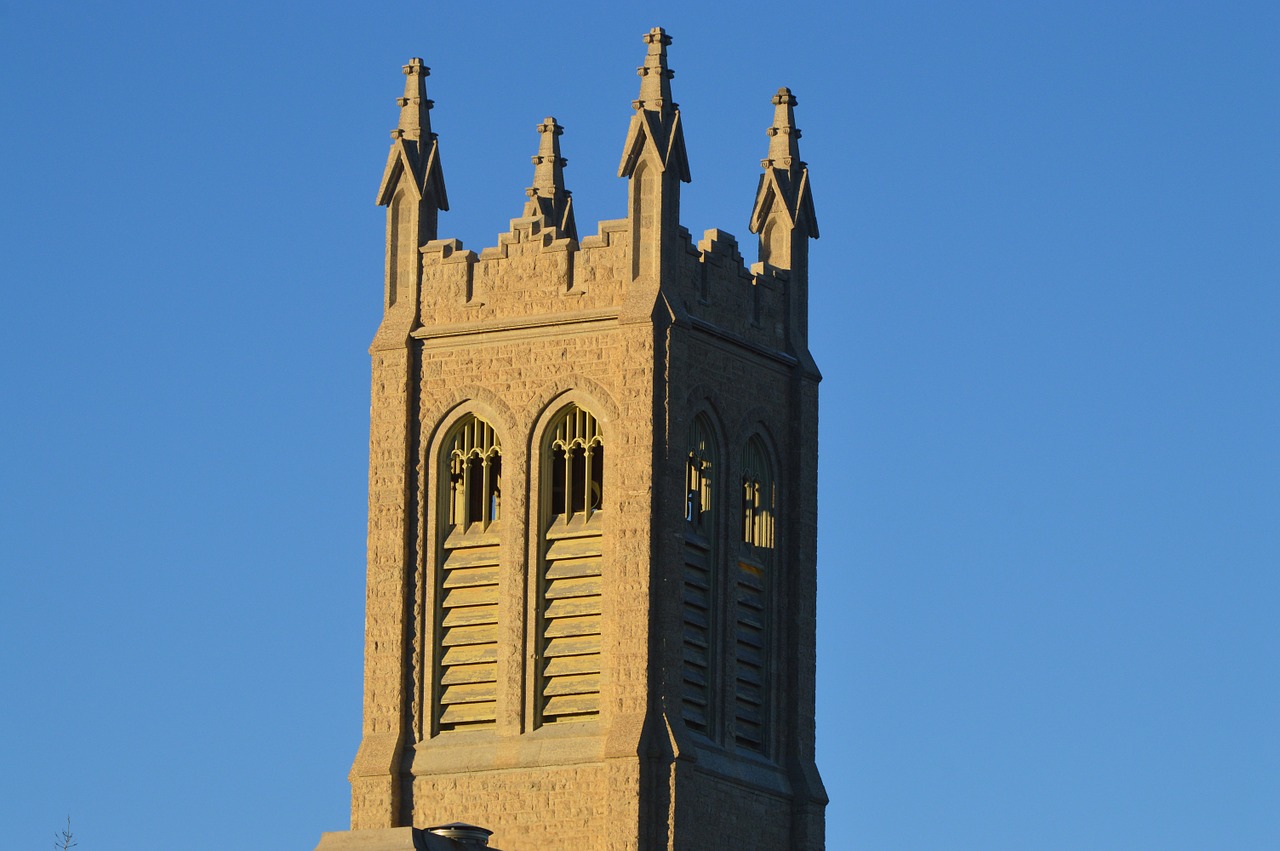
[750, 652]
[570, 634]
[468, 638]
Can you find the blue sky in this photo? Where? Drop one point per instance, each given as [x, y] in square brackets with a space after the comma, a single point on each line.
[1045, 304]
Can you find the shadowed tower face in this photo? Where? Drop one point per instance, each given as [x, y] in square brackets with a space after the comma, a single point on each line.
[592, 510]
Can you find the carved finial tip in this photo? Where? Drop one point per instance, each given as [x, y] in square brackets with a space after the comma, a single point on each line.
[658, 36]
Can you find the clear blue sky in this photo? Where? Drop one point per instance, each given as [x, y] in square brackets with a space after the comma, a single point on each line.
[1046, 303]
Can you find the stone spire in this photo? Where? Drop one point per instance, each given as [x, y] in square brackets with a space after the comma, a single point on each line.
[655, 76]
[415, 106]
[547, 196]
[784, 135]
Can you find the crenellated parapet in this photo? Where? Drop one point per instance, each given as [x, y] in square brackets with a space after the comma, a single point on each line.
[746, 304]
[533, 271]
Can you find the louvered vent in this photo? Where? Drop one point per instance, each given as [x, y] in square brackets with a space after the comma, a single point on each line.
[699, 594]
[697, 652]
[750, 643]
[568, 676]
[467, 609]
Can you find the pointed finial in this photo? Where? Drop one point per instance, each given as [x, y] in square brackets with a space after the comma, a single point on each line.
[655, 76]
[547, 196]
[415, 106]
[784, 136]
[548, 176]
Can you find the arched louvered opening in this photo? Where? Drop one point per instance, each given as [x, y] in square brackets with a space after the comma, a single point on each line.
[700, 592]
[567, 681]
[466, 610]
[753, 585]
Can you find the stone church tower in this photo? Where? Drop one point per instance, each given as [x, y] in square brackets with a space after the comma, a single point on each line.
[592, 512]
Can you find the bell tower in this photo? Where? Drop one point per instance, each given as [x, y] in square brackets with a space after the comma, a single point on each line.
[590, 610]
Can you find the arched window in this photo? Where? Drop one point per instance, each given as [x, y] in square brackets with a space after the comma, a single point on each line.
[753, 593]
[567, 674]
[466, 593]
[700, 603]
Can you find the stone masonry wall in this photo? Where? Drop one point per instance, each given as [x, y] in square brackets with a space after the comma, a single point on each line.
[701, 802]
[564, 808]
